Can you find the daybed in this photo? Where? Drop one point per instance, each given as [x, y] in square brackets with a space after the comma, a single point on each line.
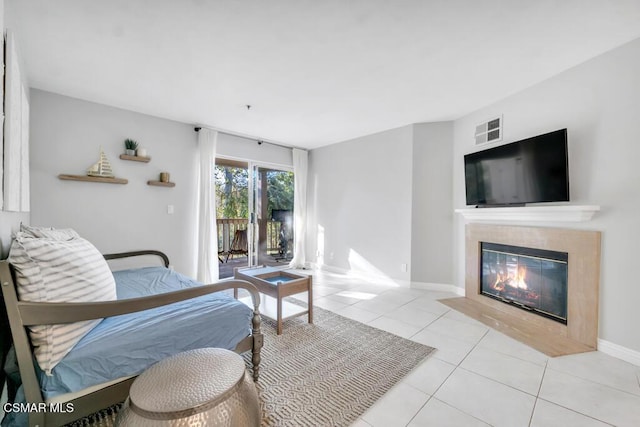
[158, 313]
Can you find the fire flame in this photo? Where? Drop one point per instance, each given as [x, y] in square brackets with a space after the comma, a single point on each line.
[514, 279]
[499, 284]
[522, 273]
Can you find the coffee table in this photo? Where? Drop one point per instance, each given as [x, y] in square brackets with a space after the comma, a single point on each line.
[278, 284]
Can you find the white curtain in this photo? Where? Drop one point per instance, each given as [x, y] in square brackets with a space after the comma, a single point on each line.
[207, 229]
[300, 166]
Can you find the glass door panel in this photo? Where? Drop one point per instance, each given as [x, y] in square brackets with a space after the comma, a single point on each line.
[232, 215]
[272, 239]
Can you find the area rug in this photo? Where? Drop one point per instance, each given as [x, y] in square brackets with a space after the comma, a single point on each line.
[325, 374]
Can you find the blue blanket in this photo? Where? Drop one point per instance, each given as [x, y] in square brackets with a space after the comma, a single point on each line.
[126, 345]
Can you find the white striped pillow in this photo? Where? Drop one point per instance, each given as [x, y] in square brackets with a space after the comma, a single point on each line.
[59, 268]
[49, 232]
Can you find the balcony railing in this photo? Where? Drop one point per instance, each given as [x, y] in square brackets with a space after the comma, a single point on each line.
[227, 228]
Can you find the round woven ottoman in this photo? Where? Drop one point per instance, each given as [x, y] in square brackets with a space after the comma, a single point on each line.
[203, 387]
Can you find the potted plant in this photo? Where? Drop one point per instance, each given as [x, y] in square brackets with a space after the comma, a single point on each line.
[130, 147]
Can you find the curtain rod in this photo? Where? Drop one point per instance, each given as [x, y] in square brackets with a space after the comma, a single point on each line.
[252, 138]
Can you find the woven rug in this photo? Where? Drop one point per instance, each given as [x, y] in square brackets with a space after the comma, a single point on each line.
[325, 374]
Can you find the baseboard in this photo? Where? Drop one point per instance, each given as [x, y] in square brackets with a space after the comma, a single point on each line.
[364, 276]
[622, 353]
[328, 268]
[438, 287]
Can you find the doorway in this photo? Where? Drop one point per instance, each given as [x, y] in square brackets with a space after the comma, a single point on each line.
[254, 215]
[232, 214]
[273, 212]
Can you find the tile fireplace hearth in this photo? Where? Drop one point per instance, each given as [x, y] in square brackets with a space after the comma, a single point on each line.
[547, 297]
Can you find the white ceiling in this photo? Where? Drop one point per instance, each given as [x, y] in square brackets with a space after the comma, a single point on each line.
[315, 72]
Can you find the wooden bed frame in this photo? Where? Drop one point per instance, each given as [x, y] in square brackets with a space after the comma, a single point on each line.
[22, 314]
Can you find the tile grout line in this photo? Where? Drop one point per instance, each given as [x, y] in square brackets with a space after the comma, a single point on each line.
[589, 380]
[432, 396]
[408, 324]
[431, 323]
[421, 407]
[557, 404]
[535, 402]
[497, 381]
[576, 412]
[463, 412]
[470, 351]
[492, 379]
[546, 366]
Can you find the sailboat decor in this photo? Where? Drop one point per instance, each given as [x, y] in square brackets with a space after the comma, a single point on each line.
[102, 168]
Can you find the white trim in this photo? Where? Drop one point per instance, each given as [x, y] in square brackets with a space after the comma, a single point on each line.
[268, 165]
[438, 287]
[279, 166]
[556, 213]
[622, 353]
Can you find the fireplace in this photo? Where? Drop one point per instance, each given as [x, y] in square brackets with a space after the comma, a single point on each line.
[531, 279]
[576, 251]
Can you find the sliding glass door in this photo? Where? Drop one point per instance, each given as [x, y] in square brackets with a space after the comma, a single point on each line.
[232, 215]
[254, 215]
[271, 215]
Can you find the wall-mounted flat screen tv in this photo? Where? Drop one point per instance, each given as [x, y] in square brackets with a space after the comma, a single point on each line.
[532, 170]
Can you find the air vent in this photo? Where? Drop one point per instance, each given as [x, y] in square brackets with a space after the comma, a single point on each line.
[489, 131]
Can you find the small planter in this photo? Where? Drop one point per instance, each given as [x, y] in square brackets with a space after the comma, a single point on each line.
[130, 147]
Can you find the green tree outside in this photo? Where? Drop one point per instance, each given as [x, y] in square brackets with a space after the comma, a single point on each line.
[232, 191]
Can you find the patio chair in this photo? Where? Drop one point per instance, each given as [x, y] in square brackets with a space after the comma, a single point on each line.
[239, 245]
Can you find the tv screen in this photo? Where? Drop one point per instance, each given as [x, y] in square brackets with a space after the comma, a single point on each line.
[528, 171]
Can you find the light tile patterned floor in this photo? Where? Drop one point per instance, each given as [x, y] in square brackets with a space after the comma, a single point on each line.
[478, 376]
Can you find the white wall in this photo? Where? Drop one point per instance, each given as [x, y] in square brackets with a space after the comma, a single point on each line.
[599, 103]
[432, 218]
[360, 204]
[66, 135]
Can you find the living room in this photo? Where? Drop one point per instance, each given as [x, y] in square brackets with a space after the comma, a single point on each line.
[381, 204]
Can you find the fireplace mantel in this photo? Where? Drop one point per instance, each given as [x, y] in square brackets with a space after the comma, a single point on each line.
[560, 213]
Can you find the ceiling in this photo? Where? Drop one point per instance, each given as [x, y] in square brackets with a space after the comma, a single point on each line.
[314, 72]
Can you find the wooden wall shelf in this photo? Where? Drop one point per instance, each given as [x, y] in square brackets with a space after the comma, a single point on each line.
[161, 184]
[135, 158]
[87, 178]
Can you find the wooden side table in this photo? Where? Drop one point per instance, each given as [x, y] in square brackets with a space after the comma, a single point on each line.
[278, 284]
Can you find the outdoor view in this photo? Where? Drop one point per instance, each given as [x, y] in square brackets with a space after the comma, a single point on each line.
[274, 210]
[232, 192]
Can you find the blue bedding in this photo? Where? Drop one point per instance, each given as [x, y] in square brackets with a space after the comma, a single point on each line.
[128, 344]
